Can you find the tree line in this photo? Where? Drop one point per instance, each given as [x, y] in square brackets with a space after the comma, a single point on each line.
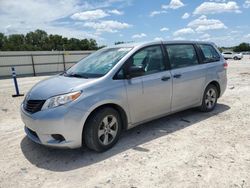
[242, 47]
[40, 40]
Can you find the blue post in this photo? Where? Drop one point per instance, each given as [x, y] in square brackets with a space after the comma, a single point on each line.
[15, 83]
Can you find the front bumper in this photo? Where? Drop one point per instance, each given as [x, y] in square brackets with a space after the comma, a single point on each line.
[67, 122]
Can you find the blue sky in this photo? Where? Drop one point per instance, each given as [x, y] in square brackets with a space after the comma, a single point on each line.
[224, 22]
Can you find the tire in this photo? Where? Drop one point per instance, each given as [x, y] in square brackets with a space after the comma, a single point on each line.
[102, 130]
[209, 99]
[236, 58]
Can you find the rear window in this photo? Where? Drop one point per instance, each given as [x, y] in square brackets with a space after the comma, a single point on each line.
[209, 53]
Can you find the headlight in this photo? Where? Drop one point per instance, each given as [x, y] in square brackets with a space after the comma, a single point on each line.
[61, 100]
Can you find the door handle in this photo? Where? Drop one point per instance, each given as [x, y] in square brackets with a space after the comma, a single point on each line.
[177, 75]
[165, 78]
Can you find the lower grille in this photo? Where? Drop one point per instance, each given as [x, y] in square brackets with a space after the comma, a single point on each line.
[32, 132]
[33, 106]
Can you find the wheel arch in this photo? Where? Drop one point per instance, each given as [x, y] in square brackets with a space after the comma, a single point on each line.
[118, 108]
[217, 85]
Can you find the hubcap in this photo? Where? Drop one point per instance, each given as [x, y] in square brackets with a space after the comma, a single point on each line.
[107, 129]
[210, 98]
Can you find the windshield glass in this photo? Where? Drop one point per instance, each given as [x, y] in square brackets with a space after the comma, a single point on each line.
[97, 64]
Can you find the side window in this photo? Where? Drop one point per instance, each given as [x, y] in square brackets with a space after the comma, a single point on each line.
[120, 75]
[209, 53]
[150, 59]
[181, 55]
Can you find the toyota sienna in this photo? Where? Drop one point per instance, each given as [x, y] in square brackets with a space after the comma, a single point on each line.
[119, 87]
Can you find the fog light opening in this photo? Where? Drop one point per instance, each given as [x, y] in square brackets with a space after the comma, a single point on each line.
[58, 137]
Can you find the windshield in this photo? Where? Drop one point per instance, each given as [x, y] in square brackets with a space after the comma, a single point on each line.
[97, 64]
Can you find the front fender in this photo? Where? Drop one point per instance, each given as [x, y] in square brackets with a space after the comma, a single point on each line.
[96, 105]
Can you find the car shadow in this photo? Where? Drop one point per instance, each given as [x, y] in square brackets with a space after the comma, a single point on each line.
[67, 159]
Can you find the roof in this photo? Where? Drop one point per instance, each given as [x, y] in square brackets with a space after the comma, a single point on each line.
[131, 45]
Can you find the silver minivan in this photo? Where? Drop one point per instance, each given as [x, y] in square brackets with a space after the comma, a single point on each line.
[119, 87]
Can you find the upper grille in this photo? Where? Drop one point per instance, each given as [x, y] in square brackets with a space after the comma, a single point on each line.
[33, 106]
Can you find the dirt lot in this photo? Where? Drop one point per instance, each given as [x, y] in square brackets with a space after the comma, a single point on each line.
[188, 149]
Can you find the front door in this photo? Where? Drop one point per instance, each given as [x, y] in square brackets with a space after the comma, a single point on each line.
[149, 95]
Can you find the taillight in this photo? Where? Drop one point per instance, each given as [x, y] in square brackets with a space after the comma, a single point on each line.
[225, 65]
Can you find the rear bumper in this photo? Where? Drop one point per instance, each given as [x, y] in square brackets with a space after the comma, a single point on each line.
[68, 123]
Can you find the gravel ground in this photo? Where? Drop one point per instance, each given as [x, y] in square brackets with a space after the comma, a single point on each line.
[187, 149]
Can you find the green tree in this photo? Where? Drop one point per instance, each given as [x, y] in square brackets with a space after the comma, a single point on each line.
[84, 44]
[242, 47]
[1, 40]
[92, 44]
[14, 42]
[36, 40]
[119, 42]
[40, 40]
[73, 44]
[56, 42]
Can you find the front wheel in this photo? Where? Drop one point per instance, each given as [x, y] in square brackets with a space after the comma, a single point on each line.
[236, 58]
[102, 130]
[210, 97]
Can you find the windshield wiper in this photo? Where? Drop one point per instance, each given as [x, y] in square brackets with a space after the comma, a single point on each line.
[75, 75]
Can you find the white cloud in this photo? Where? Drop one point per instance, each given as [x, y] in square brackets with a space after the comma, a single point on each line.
[137, 36]
[247, 36]
[28, 15]
[90, 15]
[154, 13]
[202, 24]
[183, 31]
[158, 39]
[214, 8]
[205, 36]
[116, 12]
[164, 29]
[185, 16]
[246, 4]
[30, 12]
[73, 33]
[179, 38]
[174, 4]
[219, 0]
[95, 14]
[110, 26]
[234, 32]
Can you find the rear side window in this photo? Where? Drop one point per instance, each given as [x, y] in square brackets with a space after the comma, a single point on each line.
[209, 53]
[181, 55]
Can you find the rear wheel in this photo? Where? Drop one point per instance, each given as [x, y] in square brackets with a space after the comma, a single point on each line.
[210, 97]
[102, 129]
[236, 58]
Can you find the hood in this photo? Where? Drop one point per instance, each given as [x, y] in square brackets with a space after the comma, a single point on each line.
[56, 85]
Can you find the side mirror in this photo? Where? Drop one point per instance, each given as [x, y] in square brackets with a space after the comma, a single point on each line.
[135, 71]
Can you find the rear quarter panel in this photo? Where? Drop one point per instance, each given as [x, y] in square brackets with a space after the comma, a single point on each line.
[217, 72]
